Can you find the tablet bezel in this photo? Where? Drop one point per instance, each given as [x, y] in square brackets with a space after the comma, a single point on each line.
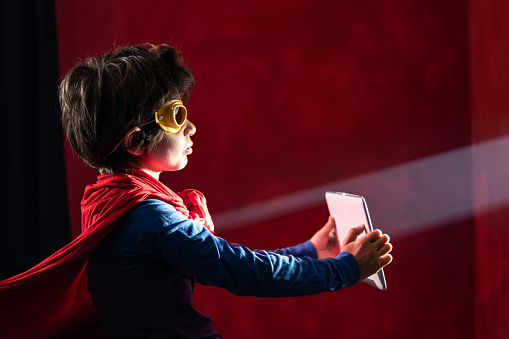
[336, 202]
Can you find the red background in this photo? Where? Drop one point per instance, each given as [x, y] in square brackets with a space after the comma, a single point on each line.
[292, 95]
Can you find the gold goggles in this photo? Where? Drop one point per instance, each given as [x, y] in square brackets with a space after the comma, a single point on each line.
[172, 116]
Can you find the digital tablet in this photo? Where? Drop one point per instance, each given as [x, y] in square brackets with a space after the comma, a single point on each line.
[348, 211]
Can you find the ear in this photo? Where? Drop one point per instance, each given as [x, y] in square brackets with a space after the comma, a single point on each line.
[131, 141]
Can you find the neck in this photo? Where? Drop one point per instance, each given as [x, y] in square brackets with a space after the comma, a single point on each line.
[151, 173]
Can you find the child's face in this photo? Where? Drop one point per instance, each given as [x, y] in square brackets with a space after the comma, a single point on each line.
[169, 154]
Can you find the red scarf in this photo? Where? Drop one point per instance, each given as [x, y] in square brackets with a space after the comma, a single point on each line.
[51, 299]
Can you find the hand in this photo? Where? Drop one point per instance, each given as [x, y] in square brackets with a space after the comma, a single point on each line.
[326, 241]
[371, 251]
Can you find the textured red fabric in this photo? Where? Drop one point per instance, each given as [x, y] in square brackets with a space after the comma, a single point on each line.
[51, 299]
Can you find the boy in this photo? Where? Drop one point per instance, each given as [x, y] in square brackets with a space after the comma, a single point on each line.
[124, 113]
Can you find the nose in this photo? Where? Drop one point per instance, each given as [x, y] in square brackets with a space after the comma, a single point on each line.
[189, 128]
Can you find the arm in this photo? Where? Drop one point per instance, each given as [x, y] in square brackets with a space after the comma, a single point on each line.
[323, 244]
[214, 261]
[306, 249]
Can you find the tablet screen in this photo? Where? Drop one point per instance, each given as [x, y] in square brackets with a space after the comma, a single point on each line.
[348, 211]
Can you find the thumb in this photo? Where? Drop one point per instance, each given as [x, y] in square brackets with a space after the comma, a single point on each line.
[353, 233]
[329, 225]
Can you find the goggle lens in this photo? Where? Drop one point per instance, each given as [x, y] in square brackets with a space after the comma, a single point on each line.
[172, 116]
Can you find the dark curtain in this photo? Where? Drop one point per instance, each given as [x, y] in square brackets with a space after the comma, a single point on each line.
[34, 215]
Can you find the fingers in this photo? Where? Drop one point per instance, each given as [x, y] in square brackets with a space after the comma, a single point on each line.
[353, 233]
[373, 235]
[381, 241]
[383, 247]
[371, 251]
[385, 260]
[377, 238]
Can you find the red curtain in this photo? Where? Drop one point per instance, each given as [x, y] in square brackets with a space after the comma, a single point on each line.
[489, 37]
[293, 97]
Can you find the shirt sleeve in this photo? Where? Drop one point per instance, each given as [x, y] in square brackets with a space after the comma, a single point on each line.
[306, 249]
[214, 261]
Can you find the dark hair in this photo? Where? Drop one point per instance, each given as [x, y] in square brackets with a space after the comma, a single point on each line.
[102, 98]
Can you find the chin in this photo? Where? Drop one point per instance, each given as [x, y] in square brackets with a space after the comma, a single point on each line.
[180, 167]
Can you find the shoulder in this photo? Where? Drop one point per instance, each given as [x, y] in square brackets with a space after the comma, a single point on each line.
[154, 227]
[156, 211]
[139, 232]
[158, 218]
[147, 220]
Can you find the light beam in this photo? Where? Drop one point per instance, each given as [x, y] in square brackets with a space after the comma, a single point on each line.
[402, 199]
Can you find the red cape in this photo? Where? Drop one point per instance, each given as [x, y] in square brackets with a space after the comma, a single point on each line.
[51, 299]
